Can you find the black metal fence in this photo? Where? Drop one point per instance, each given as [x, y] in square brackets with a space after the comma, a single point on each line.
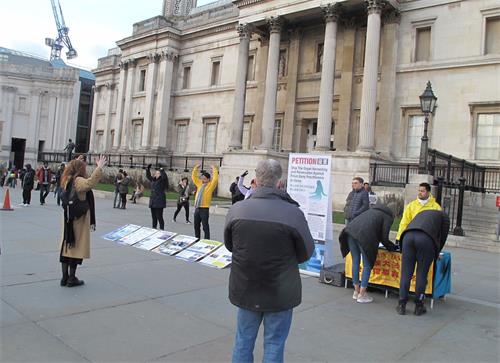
[451, 169]
[170, 162]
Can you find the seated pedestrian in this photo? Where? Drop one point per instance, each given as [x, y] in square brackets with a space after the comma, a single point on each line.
[138, 192]
[361, 237]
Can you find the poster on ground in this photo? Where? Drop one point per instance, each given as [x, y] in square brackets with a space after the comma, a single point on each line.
[121, 232]
[220, 258]
[309, 183]
[137, 236]
[175, 245]
[199, 250]
[154, 240]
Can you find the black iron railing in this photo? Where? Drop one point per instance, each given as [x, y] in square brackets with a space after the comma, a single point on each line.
[127, 160]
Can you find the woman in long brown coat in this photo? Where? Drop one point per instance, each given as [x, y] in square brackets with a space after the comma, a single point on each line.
[75, 243]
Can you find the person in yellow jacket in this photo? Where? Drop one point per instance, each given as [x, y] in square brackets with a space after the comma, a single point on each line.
[205, 187]
[424, 201]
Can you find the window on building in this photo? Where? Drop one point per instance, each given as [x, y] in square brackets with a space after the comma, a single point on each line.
[488, 136]
[186, 77]
[112, 138]
[137, 135]
[414, 135]
[21, 105]
[210, 136]
[319, 57]
[142, 80]
[423, 44]
[247, 134]
[215, 73]
[181, 137]
[492, 39]
[251, 68]
[277, 135]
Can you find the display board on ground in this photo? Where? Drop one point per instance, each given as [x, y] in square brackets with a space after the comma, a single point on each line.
[220, 258]
[121, 232]
[154, 240]
[137, 236]
[175, 245]
[198, 250]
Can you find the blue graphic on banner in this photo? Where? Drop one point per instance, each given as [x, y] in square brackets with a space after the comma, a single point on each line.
[316, 261]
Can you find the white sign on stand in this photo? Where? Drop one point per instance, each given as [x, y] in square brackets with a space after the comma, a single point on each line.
[309, 183]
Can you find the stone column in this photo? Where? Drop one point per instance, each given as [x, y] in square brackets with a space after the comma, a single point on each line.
[51, 119]
[240, 88]
[34, 120]
[269, 115]
[331, 13]
[127, 108]
[107, 116]
[370, 76]
[150, 99]
[120, 104]
[8, 99]
[163, 104]
[97, 95]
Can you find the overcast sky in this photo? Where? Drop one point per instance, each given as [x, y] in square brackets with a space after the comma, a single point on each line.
[94, 25]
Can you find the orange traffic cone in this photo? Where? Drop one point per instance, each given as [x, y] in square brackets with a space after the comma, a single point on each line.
[6, 201]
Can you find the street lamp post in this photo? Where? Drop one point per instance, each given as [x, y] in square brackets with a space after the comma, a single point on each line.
[427, 105]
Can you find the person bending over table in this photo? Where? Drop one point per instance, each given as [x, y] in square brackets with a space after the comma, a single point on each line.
[361, 237]
[422, 241]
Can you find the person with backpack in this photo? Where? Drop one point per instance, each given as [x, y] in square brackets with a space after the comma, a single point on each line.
[79, 216]
[28, 184]
[158, 199]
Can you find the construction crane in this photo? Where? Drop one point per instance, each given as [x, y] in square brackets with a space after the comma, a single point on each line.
[62, 35]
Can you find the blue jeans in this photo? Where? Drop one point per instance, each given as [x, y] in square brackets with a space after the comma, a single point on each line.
[356, 253]
[276, 328]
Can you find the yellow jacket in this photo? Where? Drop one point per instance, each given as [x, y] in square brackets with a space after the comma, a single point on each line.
[414, 208]
[209, 188]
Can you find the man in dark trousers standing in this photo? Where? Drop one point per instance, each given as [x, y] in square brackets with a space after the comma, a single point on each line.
[28, 184]
[268, 236]
[69, 149]
[421, 242]
[357, 201]
[205, 187]
[44, 176]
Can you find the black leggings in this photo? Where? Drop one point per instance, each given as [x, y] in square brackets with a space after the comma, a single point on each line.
[26, 196]
[201, 217]
[157, 215]
[186, 208]
[417, 247]
[123, 197]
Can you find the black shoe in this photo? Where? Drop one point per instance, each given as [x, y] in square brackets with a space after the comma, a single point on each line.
[420, 309]
[401, 309]
[64, 281]
[74, 282]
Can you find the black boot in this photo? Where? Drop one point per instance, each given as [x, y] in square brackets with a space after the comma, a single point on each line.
[64, 279]
[401, 308]
[72, 279]
[419, 307]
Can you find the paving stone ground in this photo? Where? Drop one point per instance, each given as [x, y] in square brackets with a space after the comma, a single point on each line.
[138, 306]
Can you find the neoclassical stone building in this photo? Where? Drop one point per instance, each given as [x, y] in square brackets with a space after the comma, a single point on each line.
[249, 79]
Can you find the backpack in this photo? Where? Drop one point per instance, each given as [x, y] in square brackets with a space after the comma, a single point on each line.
[71, 204]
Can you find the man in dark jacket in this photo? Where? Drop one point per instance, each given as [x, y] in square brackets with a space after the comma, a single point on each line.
[362, 237]
[422, 241]
[28, 184]
[44, 176]
[357, 201]
[269, 236]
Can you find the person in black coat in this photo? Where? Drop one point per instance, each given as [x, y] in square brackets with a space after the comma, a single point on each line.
[157, 200]
[421, 242]
[361, 237]
[28, 184]
[236, 195]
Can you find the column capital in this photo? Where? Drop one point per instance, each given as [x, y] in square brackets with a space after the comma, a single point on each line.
[375, 6]
[153, 57]
[244, 31]
[332, 12]
[168, 55]
[392, 16]
[275, 23]
[9, 88]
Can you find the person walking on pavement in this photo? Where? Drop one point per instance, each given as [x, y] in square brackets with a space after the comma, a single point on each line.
[268, 236]
[44, 176]
[361, 237]
[205, 188]
[69, 150]
[421, 242]
[75, 242]
[123, 184]
[183, 199]
[58, 189]
[28, 184]
[157, 200]
[357, 201]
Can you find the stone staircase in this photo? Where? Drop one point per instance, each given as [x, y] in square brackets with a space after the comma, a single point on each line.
[480, 216]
